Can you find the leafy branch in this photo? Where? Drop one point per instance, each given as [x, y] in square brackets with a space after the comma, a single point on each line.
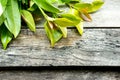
[14, 12]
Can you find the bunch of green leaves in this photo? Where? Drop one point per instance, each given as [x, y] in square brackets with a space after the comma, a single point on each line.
[14, 12]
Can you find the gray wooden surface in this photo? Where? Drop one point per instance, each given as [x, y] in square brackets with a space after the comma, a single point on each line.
[59, 75]
[97, 46]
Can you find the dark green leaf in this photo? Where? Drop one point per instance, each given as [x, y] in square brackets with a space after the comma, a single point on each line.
[33, 7]
[6, 37]
[2, 19]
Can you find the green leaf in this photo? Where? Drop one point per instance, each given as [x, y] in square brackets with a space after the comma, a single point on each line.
[65, 1]
[96, 5]
[64, 22]
[82, 5]
[80, 28]
[64, 31]
[13, 18]
[71, 17]
[2, 19]
[75, 0]
[74, 12]
[52, 1]
[33, 8]
[6, 37]
[89, 7]
[53, 33]
[68, 1]
[85, 15]
[83, 9]
[46, 6]
[27, 16]
[2, 6]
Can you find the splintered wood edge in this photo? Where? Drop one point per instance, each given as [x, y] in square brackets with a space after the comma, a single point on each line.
[97, 47]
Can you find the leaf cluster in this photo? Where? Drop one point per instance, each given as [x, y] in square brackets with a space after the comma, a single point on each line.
[14, 12]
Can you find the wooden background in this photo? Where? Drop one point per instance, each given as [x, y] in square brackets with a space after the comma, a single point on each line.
[99, 46]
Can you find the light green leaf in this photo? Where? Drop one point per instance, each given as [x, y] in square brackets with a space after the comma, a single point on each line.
[72, 17]
[64, 31]
[46, 6]
[6, 37]
[2, 6]
[53, 33]
[89, 7]
[64, 22]
[83, 9]
[74, 12]
[13, 18]
[65, 1]
[80, 28]
[52, 1]
[96, 5]
[27, 16]
[83, 5]
[85, 15]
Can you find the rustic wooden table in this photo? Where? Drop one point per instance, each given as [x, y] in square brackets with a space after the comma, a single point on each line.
[99, 46]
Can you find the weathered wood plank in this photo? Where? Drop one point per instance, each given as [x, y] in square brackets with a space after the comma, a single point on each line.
[97, 47]
[107, 16]
[59, 75]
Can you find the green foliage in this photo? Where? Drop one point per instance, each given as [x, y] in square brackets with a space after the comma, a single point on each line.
[28, 18]
[14, 12]
[13, 19]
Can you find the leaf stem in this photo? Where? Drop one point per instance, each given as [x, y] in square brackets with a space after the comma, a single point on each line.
[46, 16]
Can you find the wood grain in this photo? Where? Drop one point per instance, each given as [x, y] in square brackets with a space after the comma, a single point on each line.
[59, 75]
[97, 47]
